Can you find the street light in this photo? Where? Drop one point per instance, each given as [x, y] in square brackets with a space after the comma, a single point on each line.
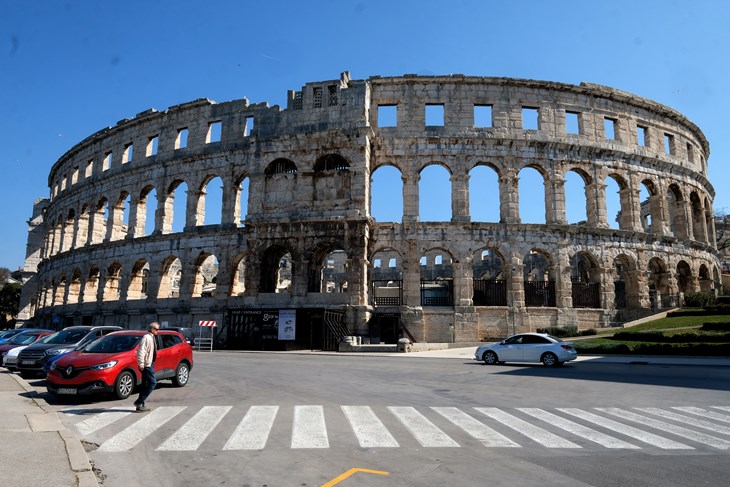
[512, 303]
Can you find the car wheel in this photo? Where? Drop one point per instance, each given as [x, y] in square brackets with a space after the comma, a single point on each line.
[182, 375]
[490, 358]
[124, 385]
[549, 359]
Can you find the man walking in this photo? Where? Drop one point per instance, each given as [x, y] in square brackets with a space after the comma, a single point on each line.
[146, 355]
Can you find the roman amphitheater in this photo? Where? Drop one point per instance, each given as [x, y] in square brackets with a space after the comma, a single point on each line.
[130, 233]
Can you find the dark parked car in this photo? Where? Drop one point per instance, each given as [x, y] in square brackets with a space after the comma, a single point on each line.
[186, 332]
[32, 359]
[109, 365]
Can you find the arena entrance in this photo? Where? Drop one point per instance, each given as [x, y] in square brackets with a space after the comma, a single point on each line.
[279, 329]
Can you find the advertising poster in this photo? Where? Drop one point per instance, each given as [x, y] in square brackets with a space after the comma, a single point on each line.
[287, 324]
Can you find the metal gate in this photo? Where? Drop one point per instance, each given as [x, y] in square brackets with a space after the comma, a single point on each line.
[586, 294]
[334, 330]
[490, 292]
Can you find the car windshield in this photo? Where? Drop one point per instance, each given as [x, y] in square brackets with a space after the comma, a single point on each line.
[113, 344]
[65, 337]
[23, 339]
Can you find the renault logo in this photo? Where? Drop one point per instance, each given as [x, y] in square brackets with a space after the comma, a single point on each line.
[69, 369]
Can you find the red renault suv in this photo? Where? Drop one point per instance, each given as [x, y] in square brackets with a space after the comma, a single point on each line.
[109, 364]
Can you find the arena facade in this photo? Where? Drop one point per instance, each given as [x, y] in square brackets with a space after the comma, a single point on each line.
[295, 239]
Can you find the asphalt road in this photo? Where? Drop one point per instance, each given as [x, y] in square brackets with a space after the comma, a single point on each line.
[270, 420]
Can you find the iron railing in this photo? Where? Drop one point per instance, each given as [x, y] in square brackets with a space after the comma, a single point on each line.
[490, 292]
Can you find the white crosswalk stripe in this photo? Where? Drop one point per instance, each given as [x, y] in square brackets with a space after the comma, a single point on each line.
[635, 433]
[99, 421]
[669, 428]
[369, 430]
[687, 420]
[253, 430]
[704, 413]
[535, 433]
[578, 429]
[196, 430]
[131, 436]
[309, 429]
[476, 429]
[425, 432]
[118, 430]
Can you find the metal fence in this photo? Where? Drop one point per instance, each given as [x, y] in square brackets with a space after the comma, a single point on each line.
[586, 294]
[387, 292]
[540, 293]
[437, 293]
[490, 292]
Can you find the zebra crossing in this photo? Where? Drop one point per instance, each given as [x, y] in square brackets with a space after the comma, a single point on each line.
[183, 428]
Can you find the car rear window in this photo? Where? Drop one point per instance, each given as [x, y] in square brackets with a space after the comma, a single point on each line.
[555, 338]
[64, 337]
[113, 344]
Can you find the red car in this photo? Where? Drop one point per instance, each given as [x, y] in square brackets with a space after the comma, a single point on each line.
[24, 338]
[109, 364]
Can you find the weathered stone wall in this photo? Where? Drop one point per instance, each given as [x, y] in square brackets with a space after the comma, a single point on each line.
[296, 186]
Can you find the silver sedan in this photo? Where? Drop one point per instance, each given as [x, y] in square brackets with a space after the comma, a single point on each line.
[527, 347]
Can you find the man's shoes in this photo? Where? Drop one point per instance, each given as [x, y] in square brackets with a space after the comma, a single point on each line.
[142, 409]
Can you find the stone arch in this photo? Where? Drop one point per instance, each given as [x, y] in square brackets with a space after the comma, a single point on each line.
[652, 207]
[139, 280]
[242, 186]
[437, 277]
[585, 280]
[74, 287]
[386, 183]
[625, 282]
[484, 193]
[146, 211]
[82, 226]
[67, 240]
[660, 284]
[619, 212]
[386, 277]
[99, 221]
[532, 194]
[676, 211]
[238, 275]
[111, 282]
[119, 221]
[209, 203]
[489, 277]
[539, 281]
[91, 286]
[59, 292]
[170, 277]
[332, 181]
[684, 277]
[280, 184]
[435, 181]
[175, 207]
[698, 217]
[276, 270]
[206, 275]
[705, 280]
[331, 275]
[710, 223]
[577, 207]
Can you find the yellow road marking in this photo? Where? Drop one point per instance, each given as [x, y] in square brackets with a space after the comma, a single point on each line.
[351, 472]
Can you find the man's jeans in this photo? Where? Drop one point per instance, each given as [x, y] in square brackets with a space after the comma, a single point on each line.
[148, 384]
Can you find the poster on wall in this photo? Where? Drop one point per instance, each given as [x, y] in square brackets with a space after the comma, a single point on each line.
[287, 324]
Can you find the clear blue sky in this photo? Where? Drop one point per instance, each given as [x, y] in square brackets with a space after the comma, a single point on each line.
[68, 69]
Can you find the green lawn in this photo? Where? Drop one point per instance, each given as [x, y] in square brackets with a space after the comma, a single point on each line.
[673, 335]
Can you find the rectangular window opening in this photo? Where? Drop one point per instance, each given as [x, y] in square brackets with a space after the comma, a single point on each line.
[128, 153]
[152, 146]
[107, 162]
[530, 118]
[317, 97]
[332, 98]
[669, 144]
[434, 115]
[690, 153]
[298, 100]
[75, 175]
[641, 135]
[424, 260]
[609, 126]
[483, 116]
[572, 123]
[392, 262]
[214, 132]
[181, 141]
[387, 116]
[439, 260]
[89, 169]
[248, 126]
[63, 182]
[377, 264]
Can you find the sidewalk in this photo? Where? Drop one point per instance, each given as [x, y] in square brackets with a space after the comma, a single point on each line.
[39, 451]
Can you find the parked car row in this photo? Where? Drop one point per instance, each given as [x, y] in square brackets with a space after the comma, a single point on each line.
[85, 360]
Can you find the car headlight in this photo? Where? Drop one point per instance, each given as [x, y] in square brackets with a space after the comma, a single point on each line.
[58, 351]
[105, 365]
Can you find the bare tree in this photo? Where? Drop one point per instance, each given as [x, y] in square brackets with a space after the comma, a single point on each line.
[4, 274]
[722, 231]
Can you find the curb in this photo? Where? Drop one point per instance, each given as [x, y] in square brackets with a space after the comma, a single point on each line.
[77, 457]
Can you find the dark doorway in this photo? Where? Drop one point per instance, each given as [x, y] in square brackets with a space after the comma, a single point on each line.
[385, 328]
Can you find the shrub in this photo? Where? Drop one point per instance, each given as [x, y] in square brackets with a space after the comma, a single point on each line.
[560, 331]
[721, 326]
[588, 332]
[699, 300]
[601, 348]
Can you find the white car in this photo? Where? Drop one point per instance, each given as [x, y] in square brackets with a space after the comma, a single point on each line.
[527, 347]
[10, 358]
